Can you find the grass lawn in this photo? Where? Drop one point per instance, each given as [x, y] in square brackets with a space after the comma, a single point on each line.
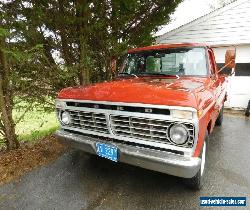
[35, 124]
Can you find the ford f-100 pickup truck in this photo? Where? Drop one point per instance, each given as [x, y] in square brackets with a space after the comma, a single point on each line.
[156, 114]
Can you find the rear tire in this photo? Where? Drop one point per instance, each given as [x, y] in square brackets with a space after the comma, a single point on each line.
[197, 181]
[219, 120]
[247, 113]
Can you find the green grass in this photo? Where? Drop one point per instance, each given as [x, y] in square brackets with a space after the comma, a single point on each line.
[35, 124]
[37, 134]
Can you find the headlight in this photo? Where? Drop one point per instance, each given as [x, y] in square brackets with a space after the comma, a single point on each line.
[65, 118]
[178, 134]
[182, 114]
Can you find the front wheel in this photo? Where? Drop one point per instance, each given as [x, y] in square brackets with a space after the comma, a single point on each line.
[197, 181]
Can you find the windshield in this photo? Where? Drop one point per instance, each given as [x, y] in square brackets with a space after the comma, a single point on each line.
[179, 61]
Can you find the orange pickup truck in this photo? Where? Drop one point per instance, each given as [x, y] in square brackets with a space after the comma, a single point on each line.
[156, 114]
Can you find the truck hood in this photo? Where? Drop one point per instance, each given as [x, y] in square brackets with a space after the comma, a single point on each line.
[158, 91]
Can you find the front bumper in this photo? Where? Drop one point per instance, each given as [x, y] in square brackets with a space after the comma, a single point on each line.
[165, 162]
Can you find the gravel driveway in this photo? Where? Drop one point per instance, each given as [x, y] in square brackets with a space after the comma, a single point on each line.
[80, 181]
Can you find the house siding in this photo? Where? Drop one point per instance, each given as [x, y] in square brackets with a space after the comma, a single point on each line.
[220, 27]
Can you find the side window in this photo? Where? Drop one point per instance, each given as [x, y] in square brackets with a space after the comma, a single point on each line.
[211, 62]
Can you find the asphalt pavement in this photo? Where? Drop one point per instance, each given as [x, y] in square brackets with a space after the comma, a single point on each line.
[80, 181]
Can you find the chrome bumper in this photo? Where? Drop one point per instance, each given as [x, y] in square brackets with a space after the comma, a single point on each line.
[165, 162]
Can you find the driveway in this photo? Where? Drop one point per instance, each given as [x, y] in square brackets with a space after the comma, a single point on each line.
[80, 181]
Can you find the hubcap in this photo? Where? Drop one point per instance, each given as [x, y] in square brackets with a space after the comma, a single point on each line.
[203, 158]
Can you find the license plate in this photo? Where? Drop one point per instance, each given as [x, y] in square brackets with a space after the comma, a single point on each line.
[106, 151]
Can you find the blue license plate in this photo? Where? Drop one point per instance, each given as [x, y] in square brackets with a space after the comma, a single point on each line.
[107, 151]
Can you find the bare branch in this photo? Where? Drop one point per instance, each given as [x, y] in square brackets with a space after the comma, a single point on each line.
[25, 111]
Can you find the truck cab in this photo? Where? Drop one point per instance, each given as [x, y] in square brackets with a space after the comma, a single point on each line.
[156, 114]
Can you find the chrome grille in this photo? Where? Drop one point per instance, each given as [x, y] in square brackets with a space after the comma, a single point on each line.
[89, 121]
[146, 128]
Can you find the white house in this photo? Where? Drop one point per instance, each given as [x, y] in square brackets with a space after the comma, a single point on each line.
[222, 28]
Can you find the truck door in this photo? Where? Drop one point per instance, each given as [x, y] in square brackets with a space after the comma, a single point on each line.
[215, 84]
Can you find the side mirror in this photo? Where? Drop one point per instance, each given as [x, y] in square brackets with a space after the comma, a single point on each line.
[230, 57]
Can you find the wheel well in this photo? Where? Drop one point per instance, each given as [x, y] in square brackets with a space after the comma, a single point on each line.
[209, 126]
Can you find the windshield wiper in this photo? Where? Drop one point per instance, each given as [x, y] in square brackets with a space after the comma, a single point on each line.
[161, 74]
[125, 73]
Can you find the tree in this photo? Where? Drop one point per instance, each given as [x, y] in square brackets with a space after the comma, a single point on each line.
[6, 103]
[15, 81]
[87, 33]
[52, 44]
[19, 67]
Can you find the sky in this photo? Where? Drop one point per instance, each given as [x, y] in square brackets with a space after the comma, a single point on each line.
[187, 11]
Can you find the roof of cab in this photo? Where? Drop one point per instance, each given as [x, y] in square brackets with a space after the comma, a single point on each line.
[165, 46]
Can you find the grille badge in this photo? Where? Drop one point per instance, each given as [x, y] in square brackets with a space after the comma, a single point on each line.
[148, 110]
[120, 108]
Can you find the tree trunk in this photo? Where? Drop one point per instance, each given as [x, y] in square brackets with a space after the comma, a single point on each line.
[8, 124]
[82, 16]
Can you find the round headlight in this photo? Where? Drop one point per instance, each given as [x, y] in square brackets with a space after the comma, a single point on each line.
[178, 134]
[65, 118]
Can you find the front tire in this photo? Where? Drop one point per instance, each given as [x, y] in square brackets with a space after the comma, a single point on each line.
[197, 181]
